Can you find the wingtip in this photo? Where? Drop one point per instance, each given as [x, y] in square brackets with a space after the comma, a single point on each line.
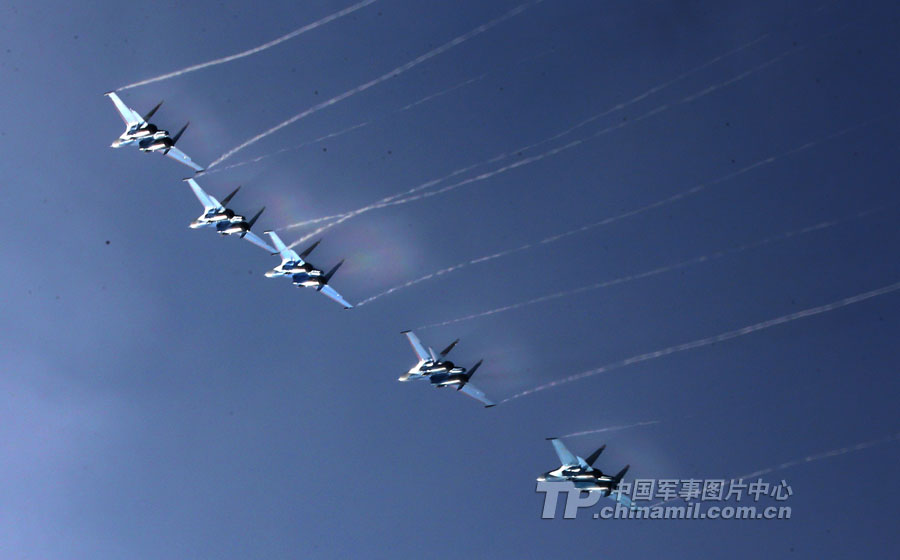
[552, 438]
[489, 405]
[109, 92]
[406, 331]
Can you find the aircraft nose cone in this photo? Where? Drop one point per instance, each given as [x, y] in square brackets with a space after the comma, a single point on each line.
[271, 274]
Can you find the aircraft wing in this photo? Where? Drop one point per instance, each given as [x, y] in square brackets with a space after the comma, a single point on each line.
[420, 350]
[566, 458]
[178, 155]
[129, 116]
[256, 240]
[332, 293]
[206, 200]
[286, 252]
[477, 394]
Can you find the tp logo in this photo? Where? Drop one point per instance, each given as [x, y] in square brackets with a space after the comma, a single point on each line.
[575, 498]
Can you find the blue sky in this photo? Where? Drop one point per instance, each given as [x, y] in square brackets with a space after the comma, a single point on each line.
[161, 398]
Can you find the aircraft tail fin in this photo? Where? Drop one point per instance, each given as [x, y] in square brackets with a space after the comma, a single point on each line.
[306, 253]
[330, 273]
[593, 456]
[618, 478]
[180, 132]
[447, 350]
[253, 221]
[228, 198]
[152, 111]
[469, 374]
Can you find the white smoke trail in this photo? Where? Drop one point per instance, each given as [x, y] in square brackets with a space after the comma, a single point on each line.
[393, 200]
[384, 77]
[578, 142]
[341, 133]
[612, 428]
[407, 107]
[808, 459]
[378, 204]
[291, 148]
[254, 50]
[713, 339]
[819, 456]
[500, 157]
[444, 271]
[450, 89]
[606, 221]
[624, 105]
[660, 270]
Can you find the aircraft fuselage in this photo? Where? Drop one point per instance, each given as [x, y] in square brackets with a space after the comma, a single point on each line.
[214, 218]
[290, 268]
[143, 136]
[441, 374]
[592, 480]
[303, 280]
[231, 227]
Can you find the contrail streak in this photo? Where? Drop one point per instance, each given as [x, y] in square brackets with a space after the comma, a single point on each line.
[384, 77]
[345, 131]
[699, 343]
[580, 141]
[612, 428]
[606, 221]
[820, 456]
[500, 157]
[254, 50]
[444, 271]
[808, 459]
[660, 270]
[648, 93]
[393, 200]
[442, 92]
[291, 148]
[406, 107]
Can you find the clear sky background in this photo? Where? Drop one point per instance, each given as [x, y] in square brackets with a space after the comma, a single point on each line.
[160, 398]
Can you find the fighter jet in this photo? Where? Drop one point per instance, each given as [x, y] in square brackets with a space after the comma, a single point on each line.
[226, 222]
[146, 136]
[582, 473]
[303, 274]
[442, 372]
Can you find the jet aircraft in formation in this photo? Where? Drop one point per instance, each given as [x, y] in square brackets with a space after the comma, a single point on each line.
[148, 137]
[303, 274]
[435, 368]
[224, 220]
[583, 475]
[442, 372]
